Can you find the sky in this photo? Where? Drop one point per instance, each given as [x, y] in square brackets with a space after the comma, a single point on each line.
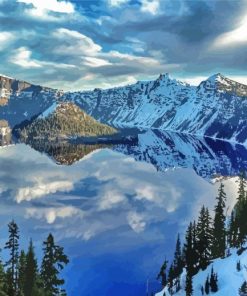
[83, 44]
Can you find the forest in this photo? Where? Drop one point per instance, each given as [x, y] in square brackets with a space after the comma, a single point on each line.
[208, 238]
[21, 275]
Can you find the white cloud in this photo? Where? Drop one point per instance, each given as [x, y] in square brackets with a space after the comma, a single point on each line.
[74, 43]
[116, 3]
[233, 37]
[110, 199]
[50, 5]
[136, 222]
[22, 57]
[41, 189]
[150, 6]
[95, 62]
[5, 39]
[51, 214]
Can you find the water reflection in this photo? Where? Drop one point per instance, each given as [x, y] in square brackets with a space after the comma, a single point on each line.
[208, 157]
[115, 216]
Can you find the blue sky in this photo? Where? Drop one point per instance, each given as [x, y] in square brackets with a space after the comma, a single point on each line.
[83, 44]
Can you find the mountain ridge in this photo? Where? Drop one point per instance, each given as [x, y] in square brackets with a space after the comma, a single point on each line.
[216, 108]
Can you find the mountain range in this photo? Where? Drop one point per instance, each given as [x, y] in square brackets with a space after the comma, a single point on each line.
[216, 108]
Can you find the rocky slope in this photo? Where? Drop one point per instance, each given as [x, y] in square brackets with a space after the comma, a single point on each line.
[64, 120]
[20, 100]
[216, 108]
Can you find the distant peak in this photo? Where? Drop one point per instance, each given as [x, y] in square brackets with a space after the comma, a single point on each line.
[164, 76]
[218, 77]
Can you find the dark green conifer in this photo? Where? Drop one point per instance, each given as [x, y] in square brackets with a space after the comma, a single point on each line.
[219, 231]
[53, 262]
[12, 264]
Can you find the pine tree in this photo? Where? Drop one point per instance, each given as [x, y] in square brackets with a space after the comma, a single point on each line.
[189, 285]
[195, 247]
[21, 273]
[219, 231]
[31, 272]
[238, 266]
[207, 286]
[162, 274]
[204, 233]
[189, 253]
[3, 284]
[232, 232]
[170, 279]
[243, 289]
[189, 250]
[13, 245]
[240, 209]
[213, 281]
[178, 264]
[53, 262]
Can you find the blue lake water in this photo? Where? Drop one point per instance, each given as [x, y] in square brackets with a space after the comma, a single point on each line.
[117, 208]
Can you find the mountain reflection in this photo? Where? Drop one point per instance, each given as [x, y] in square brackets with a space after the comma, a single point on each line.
[208, 157]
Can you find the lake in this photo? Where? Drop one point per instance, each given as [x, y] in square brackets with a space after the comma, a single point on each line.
[116, 207]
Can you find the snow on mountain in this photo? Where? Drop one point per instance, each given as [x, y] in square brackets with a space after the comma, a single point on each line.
[20, 100]
[48, 111]
[229, 279]
[216, 108]
[208, 157]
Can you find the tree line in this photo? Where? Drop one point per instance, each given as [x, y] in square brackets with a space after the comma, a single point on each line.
[208, 238]
[20, 275]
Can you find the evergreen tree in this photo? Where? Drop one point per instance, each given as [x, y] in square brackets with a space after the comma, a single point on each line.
[13, 245]
[219, 231]
[162, 274]
[53, 262]
[189, 285]
[31, 272]
[207, 286]
[243, 289]
[204, 233]
[213, 281]
[195, 247]
[240, 209]
[21, 273]
[3, 284]
[232, 231]
[170, 279]
[189, 251]
[178, 264]
[238, 266]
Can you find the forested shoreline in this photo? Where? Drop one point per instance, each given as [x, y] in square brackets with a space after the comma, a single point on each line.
[21, 274]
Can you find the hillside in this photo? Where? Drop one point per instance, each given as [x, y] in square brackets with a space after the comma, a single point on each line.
[229, 278]
[62, 121]
[21, 100]
[217, 107]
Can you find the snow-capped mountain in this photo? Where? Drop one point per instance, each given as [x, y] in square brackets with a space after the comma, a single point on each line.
[208, 157]
[20, 100]
[216, 108]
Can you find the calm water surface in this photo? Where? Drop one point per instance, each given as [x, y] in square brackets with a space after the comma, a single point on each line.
[115, 208]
